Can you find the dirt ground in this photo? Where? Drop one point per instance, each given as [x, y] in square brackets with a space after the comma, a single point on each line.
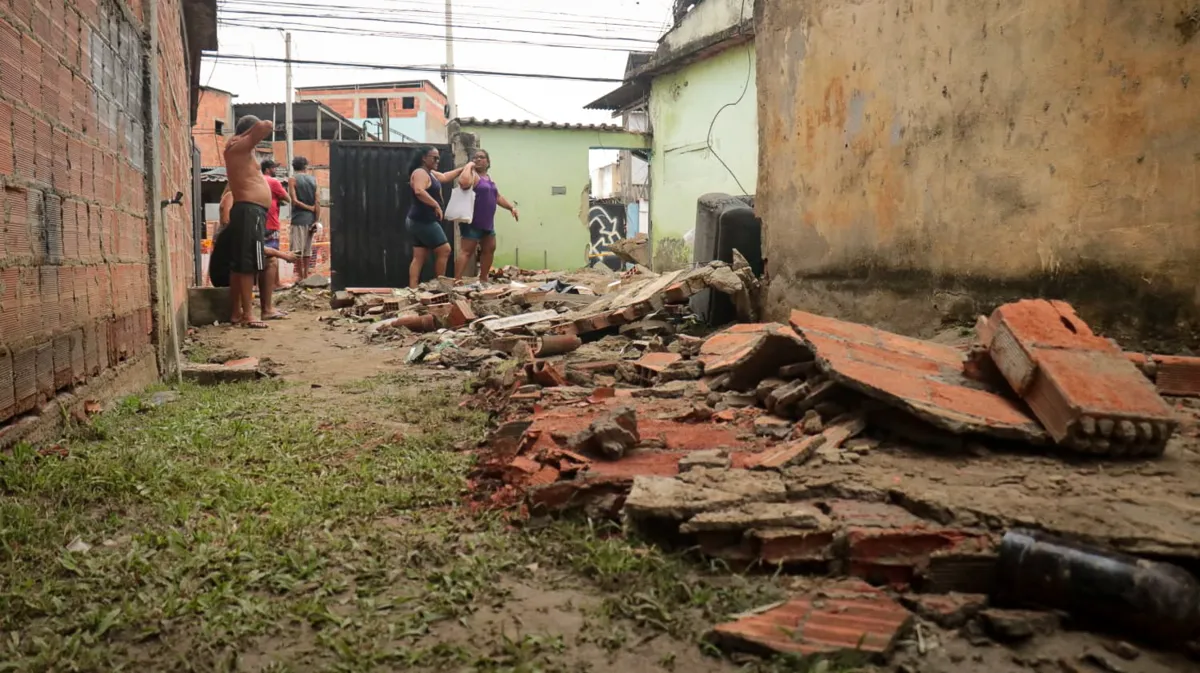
[315, 522]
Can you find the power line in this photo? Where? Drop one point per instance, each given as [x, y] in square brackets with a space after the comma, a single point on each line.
[342, 30]
[492, 13]
[415, 68]
[284, 15]
[506, 100]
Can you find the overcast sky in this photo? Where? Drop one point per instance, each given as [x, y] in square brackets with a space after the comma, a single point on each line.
[411, 32]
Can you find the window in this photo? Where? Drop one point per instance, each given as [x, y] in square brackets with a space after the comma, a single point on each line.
[409, 103]
[219, 126]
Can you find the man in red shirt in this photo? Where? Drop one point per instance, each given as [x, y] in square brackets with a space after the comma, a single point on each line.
[269, 278]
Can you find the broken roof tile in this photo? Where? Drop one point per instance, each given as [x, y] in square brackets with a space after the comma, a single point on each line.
[750, 352]
[921, 377]
[845, 617]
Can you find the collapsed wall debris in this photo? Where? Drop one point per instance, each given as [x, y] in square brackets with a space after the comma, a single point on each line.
[804, 447]
[737, 435]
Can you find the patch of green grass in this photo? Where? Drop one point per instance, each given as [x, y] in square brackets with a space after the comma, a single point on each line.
[199, 352]
[233, 515]
[675, 593]
[246, 527]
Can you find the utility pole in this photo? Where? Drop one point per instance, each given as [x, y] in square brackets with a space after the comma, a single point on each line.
[451, 101]
[287, 42]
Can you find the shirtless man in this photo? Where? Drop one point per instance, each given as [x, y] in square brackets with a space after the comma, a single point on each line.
[225, 247]
[247, 217]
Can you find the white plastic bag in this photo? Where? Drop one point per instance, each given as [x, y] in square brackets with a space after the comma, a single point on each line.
[462, 205]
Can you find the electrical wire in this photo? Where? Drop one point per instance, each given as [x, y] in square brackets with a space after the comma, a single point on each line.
[414, 68]
[713, 123]
[242, 13]
[347, 30]
[300, 11]
[506, 100]
[491, 13]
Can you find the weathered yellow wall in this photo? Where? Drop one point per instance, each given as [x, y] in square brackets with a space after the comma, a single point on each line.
[1037, 146]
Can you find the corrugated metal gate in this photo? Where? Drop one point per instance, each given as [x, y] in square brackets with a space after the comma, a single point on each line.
[369, 194]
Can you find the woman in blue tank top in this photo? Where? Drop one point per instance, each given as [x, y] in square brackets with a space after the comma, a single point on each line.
[424, 219]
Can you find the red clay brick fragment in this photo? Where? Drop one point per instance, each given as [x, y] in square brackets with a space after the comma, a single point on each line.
[657, 362]
[845, 617]
[525, 465]
[557, 344]
[751, 352]
[461, 313]
[794, 545]
[792, 453]
[1177, 375]
[545, 373]
[1087, 393]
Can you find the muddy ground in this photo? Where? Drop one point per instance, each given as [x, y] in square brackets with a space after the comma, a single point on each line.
[314, 522]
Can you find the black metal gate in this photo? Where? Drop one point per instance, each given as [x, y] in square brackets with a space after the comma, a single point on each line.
[369, 194]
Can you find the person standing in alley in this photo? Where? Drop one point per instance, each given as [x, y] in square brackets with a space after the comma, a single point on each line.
[247, 218]
[306, 211]
[225, 246]
[269, 278]
[424, 219]
[480, 234]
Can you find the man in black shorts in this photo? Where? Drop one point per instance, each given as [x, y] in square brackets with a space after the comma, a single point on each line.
[247, 218]
[225, 248]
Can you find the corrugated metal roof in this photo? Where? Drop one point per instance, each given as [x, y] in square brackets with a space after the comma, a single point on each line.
[516, 123]
[622, 97]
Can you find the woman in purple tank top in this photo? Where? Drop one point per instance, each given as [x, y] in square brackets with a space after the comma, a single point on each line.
[480, 234]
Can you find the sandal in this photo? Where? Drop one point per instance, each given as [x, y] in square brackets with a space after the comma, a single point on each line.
[278, 315]
[255, 324]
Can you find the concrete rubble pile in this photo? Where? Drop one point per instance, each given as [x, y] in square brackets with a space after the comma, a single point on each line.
[539, 314]
[725, 444]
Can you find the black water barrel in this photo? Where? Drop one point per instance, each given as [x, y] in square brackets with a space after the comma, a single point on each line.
[1116, 592]
[724, 223]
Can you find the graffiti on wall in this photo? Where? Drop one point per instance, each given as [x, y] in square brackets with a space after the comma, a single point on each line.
[606, 223]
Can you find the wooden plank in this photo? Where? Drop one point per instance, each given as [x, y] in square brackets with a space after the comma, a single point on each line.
[521, 320]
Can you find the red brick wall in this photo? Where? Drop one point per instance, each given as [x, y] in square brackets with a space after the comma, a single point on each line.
[214, 105]
[316, 151]
[352, 104]
[344, 106]
[75, 285]
[176, 151]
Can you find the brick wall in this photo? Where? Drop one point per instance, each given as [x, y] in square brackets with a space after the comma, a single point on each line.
[75, 283]
[214, 105]
[316, 151]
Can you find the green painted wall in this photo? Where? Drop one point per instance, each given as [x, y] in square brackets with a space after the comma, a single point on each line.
[526, 164]
[682, 105]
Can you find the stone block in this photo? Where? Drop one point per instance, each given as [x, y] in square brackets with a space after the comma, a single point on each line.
[1011, 626]
[758, 515]
[208, 305]
[949, 611]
